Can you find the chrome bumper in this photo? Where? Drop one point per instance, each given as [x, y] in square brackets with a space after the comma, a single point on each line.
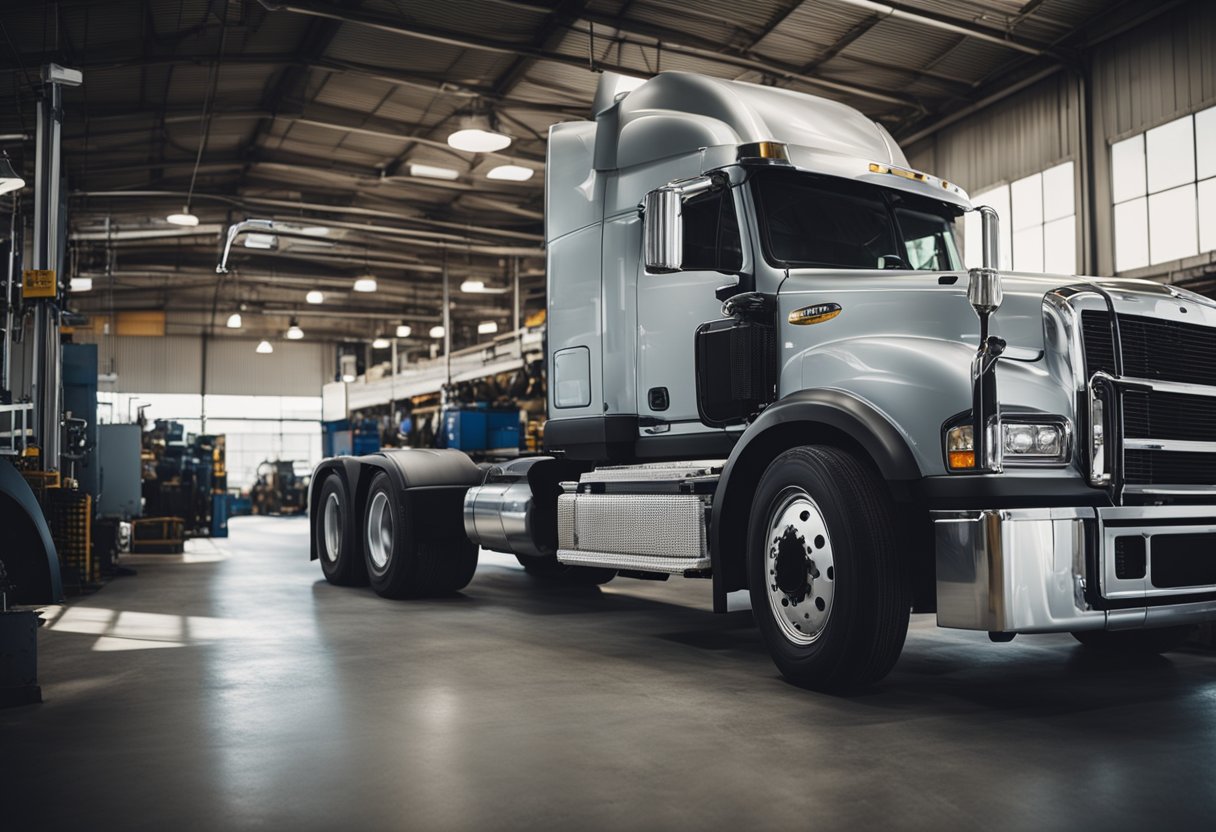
[1027, 570]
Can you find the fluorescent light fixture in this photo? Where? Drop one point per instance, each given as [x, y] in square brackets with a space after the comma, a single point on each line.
[476, 135]
[315, 296]
[367, 283]
[185, 218]
[511, 173]
[234, 320]
[294, 333]
[261, 241]
[403, 330]
[10, 180]
[436, 332]
[81, 284]
[433, 171]
[473, 286]
[314, 231]
[487, 328]
[264, 348]
[380, 344]
[348, 378]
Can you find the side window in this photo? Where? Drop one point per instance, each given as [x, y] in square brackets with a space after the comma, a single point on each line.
[711, 233]
[928, 241]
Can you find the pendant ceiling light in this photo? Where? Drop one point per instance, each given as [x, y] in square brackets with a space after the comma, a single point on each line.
[234, 320]
[10, 180]
[477, 135]
[265, 348]
[294, 333]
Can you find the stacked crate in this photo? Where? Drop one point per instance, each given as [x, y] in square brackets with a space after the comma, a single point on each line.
[69, 515]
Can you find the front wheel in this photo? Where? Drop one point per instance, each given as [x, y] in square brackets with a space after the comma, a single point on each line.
[827, 591]
[1134, 642]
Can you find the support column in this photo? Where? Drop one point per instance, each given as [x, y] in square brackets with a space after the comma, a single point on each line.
[48, 233]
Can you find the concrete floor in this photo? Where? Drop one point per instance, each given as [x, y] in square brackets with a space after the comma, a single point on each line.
[232, 688]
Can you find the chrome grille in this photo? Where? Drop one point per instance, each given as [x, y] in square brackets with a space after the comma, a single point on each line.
[1152, 349]
[1166, 400]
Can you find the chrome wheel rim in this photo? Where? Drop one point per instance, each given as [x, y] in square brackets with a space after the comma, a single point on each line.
[380, 531]
[332, 523]
[799, 566]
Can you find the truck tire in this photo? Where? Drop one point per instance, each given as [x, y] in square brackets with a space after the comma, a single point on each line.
[549, 570]
[337, 536]
[827, 589]
[401, 563]
[1134, 642]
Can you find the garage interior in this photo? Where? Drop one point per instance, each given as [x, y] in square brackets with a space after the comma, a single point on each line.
[195, 669]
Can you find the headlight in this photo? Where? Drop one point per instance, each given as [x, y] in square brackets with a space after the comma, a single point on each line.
[1023, 442]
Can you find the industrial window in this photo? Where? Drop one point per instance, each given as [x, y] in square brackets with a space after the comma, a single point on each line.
[257, 428]
[1163, 186]
[1038, 223]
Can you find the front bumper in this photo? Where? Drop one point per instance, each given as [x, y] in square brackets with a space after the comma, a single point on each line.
[1045, 570]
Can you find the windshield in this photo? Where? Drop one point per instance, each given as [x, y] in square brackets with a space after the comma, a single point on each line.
[825, 222]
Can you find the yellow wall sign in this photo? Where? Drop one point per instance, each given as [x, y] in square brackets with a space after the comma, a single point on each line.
[38, 283]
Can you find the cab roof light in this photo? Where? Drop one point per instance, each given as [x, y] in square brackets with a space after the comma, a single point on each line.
[772, 152]
[914, 175]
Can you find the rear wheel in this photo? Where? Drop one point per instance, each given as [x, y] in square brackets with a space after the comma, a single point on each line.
[549, 570]
[827, 591]
[1134, 642]
[404, 562]
[336, 536]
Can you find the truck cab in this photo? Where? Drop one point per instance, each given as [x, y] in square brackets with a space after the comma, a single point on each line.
[768, 368]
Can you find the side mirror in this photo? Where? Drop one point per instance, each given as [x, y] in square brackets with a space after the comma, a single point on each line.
[984, 289]
[663, 221]
[662, 230]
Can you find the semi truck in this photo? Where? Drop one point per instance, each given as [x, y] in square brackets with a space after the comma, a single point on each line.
[768, 368]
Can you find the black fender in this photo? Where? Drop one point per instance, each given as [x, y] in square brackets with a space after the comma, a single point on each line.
[806, 417]
[444, 475]
[28, 553]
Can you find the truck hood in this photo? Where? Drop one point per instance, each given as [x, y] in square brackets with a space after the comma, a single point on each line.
[1020, 319]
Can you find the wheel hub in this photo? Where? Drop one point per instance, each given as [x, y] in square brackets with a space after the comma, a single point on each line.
[801, 567]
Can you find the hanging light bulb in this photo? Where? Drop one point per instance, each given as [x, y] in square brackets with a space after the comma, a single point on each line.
[403, 330]
[81, 284]
[234, 320]
[367, 283]
[477, 135]
[487, 327]
[315, 297]
[294, 333]
[473, 286]
[380, 344]
[185, 218]
[265, 348]
[436, 332]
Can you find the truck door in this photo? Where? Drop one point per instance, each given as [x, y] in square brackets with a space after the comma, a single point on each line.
[672, 306]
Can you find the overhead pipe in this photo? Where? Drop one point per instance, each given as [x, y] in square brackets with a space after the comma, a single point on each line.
[318, 207]
[419, 32]
[940, 22]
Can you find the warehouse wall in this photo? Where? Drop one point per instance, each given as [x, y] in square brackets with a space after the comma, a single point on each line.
[174, 364]
[1140, 79]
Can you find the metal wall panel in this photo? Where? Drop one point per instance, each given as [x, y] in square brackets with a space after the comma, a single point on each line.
[1158, 72]
[1151, 74]
[1017, 137]
[173, 364]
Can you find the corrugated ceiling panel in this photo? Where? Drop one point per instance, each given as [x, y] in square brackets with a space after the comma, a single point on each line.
[901, 43]
[808, 31]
